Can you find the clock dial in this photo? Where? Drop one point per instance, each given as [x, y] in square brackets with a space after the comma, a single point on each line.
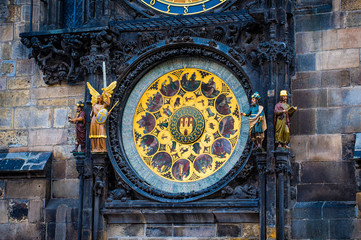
[182, 7]
[186, 125]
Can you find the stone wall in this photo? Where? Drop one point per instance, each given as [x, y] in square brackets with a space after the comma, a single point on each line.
[33, 115]
[180, 231]
[326, 89]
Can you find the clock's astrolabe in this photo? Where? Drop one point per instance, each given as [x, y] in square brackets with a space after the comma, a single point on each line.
[186, 125]
[181, 128]
[182, 7]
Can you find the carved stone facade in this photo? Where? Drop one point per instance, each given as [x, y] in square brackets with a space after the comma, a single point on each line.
[266, 195]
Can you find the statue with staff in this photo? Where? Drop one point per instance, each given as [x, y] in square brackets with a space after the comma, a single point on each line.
[99, 114]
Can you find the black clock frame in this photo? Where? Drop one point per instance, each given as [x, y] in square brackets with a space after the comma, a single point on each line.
[126, 83]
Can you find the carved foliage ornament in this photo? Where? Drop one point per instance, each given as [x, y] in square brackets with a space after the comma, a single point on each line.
[274, 51]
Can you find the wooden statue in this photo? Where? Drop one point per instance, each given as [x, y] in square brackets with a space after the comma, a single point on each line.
[282, 114]
[257, 121]
[80, 128]
[98, 116]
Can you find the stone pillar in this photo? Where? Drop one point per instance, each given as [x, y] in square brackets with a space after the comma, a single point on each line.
[79, 161]
[87, 200]
[99, 186]
[282, 167]
[261, 160]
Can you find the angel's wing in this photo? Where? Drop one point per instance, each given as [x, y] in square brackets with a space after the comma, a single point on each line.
[93, 92]
[110, 88]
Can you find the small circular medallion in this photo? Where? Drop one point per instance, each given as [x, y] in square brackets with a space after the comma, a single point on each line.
[186, 125]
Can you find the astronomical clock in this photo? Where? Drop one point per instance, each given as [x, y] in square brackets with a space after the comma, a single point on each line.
[181, 132]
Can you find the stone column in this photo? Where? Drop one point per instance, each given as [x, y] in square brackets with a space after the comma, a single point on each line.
[282, 166]
[261, 160]
[79, 161]
[99, 185]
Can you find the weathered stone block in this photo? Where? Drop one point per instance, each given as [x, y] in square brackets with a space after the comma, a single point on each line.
[5, 50]
[349, 38]
[36, 211]
[6, 118]
[300, 146]
[341, 229]
[307, 210]
[353, 19]
[310, 98]
[349, 5]
[15, 13]
[335, 79]
[18, 50]
[19, 82]
[60, 117]
[338, 59]
[7, 32]
[309, 229]
[2, 83]
[25, 67]
[53, 102]
[4, 218]
[325, 192]
[325, 147]
[71, 171]
[8, 68]
[339, 210]
[44, 137]
[28, 188]
[348, 146]
[329, 121]
[19, 28]
[344, 97]
[59, 168]
[355, 76]
[58, 92]
[31, 117]
[351, 123]
[306, 62]
[252, 231]
[356, 233]
[305, 80]
[159, 230]
[325, 172]
[229, 230]
[303, 122]
[195, 231]
[316, 41]
[317, 22]
[63, 152]
[65, 188]
[125, 230]
[19, 137]
[14, 98]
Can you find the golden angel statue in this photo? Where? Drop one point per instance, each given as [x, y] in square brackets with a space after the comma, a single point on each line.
[98, 116]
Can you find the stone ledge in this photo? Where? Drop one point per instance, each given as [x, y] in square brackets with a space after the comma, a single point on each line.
[240, 211]
[28, 163]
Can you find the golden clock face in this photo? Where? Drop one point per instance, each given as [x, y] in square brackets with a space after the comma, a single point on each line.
[186, 125]
[182, 7]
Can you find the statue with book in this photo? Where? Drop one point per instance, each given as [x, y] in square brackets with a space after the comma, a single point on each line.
[282, 114]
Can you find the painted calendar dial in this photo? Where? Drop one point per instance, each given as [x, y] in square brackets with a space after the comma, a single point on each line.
[186, 124]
